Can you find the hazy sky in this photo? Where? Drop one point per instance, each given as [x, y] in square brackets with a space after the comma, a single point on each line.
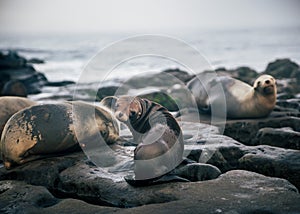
[144, 16]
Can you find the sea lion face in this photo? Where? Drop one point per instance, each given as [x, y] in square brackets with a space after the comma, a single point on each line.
[128, 108]
[265, 84]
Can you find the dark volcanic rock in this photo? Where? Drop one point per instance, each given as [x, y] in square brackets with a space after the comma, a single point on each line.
[244, 74]
[228, 154]
[281, 137]
[19, 197]
[165, 79]
[106, 91]
[11, 60]
[220, 151]
[162, 98]
[59, 84]
[74, 177]
[245, 130]
[179, 74]
[16, 68]
[275, 162]
[233, 192]
[282, 68]
[166, 88]
[39, 172]
[35, 61]
[32, 79]
[290, 105]
[229, 186]
[287, 74]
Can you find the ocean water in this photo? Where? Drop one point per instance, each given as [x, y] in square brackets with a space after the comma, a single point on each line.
[67, 57]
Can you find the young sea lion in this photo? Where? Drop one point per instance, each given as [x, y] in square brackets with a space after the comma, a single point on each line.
[157, 133]
[240, 99]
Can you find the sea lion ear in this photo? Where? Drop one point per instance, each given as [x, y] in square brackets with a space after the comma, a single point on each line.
[109, 102]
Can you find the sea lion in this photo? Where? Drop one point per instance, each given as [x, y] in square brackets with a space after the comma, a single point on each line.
[157, 133]
[48, 130]
[241, 100]
[14, 88]
[11, 105]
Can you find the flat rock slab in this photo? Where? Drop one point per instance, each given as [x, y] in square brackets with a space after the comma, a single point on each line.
[245, 130]
[251, 131]
[228, 154]
[234, 192]
[19, 197]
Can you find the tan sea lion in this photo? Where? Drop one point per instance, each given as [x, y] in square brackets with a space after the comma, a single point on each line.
[48, 130]
[14, 88]
[157, 133]
[241, 100]
[11, 105]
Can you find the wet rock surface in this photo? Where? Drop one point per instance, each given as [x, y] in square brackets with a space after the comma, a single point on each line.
[73, 183]
[235, 191]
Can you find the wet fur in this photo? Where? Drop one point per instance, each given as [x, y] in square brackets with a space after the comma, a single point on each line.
[156, 132]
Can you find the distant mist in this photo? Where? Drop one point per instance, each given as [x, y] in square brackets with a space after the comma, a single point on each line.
[148, 16]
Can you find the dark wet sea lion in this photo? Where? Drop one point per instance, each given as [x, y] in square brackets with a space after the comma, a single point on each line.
[242, 100]
[157, 133]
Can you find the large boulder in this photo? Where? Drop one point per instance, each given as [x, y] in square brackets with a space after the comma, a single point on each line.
[282, 68]
[280, 137]
[228, 154]
[20, 197]
[246, 130]
[14, 67]
[244, 73]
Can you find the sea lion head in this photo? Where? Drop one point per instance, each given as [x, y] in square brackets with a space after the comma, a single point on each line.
[128, 108]
[265, 85]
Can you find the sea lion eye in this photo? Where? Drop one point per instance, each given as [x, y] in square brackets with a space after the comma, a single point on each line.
[104, 133]
[258, 83]
[132, 114]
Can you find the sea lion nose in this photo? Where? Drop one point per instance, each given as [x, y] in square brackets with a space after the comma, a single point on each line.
[121, 114]
[267, 82]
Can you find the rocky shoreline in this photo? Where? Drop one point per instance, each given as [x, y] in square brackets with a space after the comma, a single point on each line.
[253, 167]
[18, 77]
